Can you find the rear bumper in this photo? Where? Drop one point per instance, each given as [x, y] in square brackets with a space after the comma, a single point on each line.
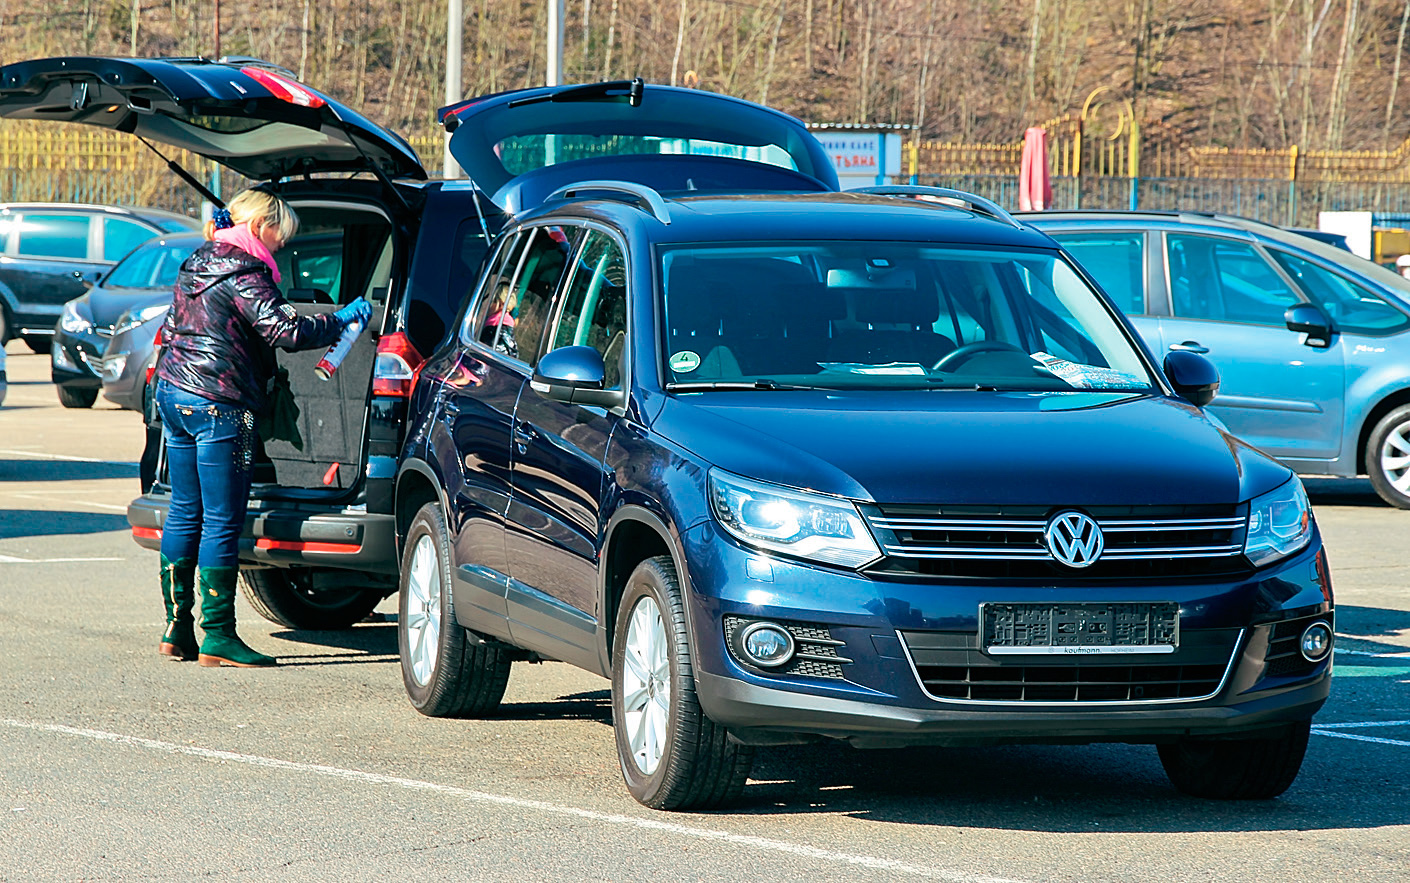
[296, 535]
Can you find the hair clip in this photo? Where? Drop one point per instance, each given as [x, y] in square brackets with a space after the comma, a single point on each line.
[221, 217]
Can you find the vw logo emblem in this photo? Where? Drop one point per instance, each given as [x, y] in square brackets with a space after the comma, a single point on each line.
[1073, 539]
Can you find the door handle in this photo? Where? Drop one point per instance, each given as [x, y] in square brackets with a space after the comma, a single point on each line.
[1189, 346]
[524, 434]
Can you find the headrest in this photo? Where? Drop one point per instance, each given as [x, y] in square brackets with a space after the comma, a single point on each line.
[894, 306]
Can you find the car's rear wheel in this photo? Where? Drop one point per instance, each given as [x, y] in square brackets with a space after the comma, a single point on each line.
[287, 597]
[4, 325]
[447, 670]
[77, 398]
[672, 755]
[1236, 769]
[1388, 457]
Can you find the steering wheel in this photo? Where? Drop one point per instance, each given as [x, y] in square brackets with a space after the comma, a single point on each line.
[970, 350]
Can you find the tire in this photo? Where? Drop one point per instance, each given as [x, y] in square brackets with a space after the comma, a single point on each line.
[1243, 769]
[286, 597]
[37, 343]
[1388, 457]
[447, 671]
[4, 325]
[672, 756]
[77, 398]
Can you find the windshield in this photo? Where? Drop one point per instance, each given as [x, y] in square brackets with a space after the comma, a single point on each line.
[153, 265]
[887, 314]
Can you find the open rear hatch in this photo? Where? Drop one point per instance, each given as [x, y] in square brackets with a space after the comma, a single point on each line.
[251, 117]
[521, 146]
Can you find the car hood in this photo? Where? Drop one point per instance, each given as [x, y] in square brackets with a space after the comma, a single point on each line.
[106, 305]
[974, 448]
[247, 115]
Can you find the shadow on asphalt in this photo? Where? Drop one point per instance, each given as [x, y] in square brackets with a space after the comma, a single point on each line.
[1343, 492]
[1366, 624]
[29, 523]
[594, 705]
[66, 470]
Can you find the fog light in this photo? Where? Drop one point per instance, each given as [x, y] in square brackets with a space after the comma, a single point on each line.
[1316, 642]
[61, 358]
[767, 644]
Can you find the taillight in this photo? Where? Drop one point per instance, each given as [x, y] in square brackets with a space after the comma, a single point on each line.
[394, 373]
[285, 88]
[156, 350]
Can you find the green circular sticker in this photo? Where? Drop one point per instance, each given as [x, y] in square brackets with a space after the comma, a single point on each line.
[684, 362]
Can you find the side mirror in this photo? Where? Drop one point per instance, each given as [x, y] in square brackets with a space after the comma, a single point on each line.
[575, 375]
[1194, 377]
[1309, 319]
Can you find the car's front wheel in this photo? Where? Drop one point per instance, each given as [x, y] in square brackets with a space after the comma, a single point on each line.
[1388, 457]
[287, 597]
[672, 755]
[447, 670]
[1236, 769]
[77, 398]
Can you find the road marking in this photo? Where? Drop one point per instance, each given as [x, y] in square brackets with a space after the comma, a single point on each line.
[10, 559]
[710, 834]
[1375, 655]
[1376, 739]
[1326, 730]
[44, 456]
[1359, 724]
[110, 506]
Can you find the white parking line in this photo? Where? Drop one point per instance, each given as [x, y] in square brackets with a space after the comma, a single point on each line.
[1330, 730]
[1359, 724]
[710, 834]
[1376, 739]
[10, 559]
[1374, 655]
[112, 507]
[43, 456]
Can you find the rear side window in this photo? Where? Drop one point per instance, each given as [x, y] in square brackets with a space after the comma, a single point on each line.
[53, 236]
[594, 311]
[1116, 261]
[1224, 280]
[1352, 308]
[121, 236]
[545, 261]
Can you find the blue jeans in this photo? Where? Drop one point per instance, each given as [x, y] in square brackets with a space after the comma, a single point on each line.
[210, 450]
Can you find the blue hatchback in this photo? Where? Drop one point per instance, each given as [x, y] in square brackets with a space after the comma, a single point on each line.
[846, 466]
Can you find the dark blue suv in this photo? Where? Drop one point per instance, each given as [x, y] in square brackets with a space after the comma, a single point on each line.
[852, 466]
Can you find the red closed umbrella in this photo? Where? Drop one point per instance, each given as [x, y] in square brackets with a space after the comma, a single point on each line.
[1035, 190]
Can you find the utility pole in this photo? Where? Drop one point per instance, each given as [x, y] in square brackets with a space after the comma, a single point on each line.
[555, 43]
[455, 40]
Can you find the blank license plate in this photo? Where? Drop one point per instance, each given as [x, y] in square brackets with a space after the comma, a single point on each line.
[1079, 629]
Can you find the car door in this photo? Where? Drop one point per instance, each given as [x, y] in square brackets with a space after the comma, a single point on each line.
[48, 251]
[1227, 302]
[554, 523]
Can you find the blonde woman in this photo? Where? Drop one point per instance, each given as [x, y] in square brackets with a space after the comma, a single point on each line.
[226, 318]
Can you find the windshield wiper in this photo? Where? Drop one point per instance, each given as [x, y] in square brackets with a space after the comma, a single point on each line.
[762, 383]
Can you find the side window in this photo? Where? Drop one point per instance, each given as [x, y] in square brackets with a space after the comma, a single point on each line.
[1352, 308]
[594, 310]
[1116, 261]
[544, 263]
[54, 236]
[492, 319]
[121, 236]
[1224, 280]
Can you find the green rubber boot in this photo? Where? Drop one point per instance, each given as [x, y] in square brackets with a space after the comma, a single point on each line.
[179, 595]
[221, 646]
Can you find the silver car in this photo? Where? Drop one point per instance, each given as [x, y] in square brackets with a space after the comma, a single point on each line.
[1312, 342]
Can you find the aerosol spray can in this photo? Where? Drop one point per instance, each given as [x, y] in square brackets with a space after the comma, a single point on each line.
[338, 351]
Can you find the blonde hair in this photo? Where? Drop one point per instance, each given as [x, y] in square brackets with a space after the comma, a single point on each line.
[263, 207]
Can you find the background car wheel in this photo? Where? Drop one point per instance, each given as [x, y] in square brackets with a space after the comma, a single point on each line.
[77, 398]
[37, 343]
[1388, 457]
[672, 755]
[1242, 769]
[447, 671]
[4, 325]
[287, 597]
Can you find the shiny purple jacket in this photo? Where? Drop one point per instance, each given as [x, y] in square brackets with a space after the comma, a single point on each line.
[225, 320]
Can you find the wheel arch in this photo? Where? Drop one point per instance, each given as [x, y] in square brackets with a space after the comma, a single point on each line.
[1383, 407]
[633, 535]
[417, 484]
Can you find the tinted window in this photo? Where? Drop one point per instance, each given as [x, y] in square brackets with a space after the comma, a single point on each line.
[1224, 280]
[594, 310]
[121, 237]
[545, 260]
[53, 236]
[151, 266]
[492, 320]
[1116, 261]
[1352, 308]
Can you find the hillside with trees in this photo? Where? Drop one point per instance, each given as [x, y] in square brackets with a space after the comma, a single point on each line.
[1236, 73]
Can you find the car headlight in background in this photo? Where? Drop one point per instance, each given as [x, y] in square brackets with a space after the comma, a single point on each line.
[821, 528]
[131, 320]
[71, 321]
[1279, 524]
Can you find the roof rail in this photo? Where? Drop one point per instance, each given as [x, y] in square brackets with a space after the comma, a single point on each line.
[974, 203]
[645, 196]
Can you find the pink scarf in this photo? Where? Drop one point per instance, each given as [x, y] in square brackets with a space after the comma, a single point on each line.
[241, 237]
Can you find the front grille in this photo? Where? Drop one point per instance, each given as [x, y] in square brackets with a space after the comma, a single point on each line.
[816, 651]
[1284, 657]
[950, 666]
[1141, 542]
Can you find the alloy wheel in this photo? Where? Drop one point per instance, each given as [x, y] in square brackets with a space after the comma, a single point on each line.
[1395, 457]
[646, 685]
[423, 610]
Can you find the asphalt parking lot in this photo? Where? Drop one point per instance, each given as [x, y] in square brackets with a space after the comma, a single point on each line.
[118, 765]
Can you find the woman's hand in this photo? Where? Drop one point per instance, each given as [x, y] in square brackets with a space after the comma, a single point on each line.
[357, 311]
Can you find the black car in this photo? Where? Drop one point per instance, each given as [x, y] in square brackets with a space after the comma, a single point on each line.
[321, 547]
[796, 467]
[53, 251]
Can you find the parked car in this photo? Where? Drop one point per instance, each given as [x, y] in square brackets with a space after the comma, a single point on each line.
[321, 543]
[787, 467]
[1334, 239]
[4, 380]
[1311, 341]
[52, 251]
[83, 359]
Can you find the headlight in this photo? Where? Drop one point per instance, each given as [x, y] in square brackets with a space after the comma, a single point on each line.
[1279, 524]
[825, 529]
[130, 320]
[71, 321]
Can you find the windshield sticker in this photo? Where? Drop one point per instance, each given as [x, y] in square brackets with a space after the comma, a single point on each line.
[1086, 376]
[684, 362]
[909, 368]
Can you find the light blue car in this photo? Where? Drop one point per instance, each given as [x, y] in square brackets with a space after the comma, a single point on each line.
[1311, 341]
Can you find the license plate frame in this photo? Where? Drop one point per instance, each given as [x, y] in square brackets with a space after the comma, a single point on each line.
[1079, 628]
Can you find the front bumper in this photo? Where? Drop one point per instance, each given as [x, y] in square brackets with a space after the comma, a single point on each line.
[74, 359]
[292, 534]
[876, 695]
